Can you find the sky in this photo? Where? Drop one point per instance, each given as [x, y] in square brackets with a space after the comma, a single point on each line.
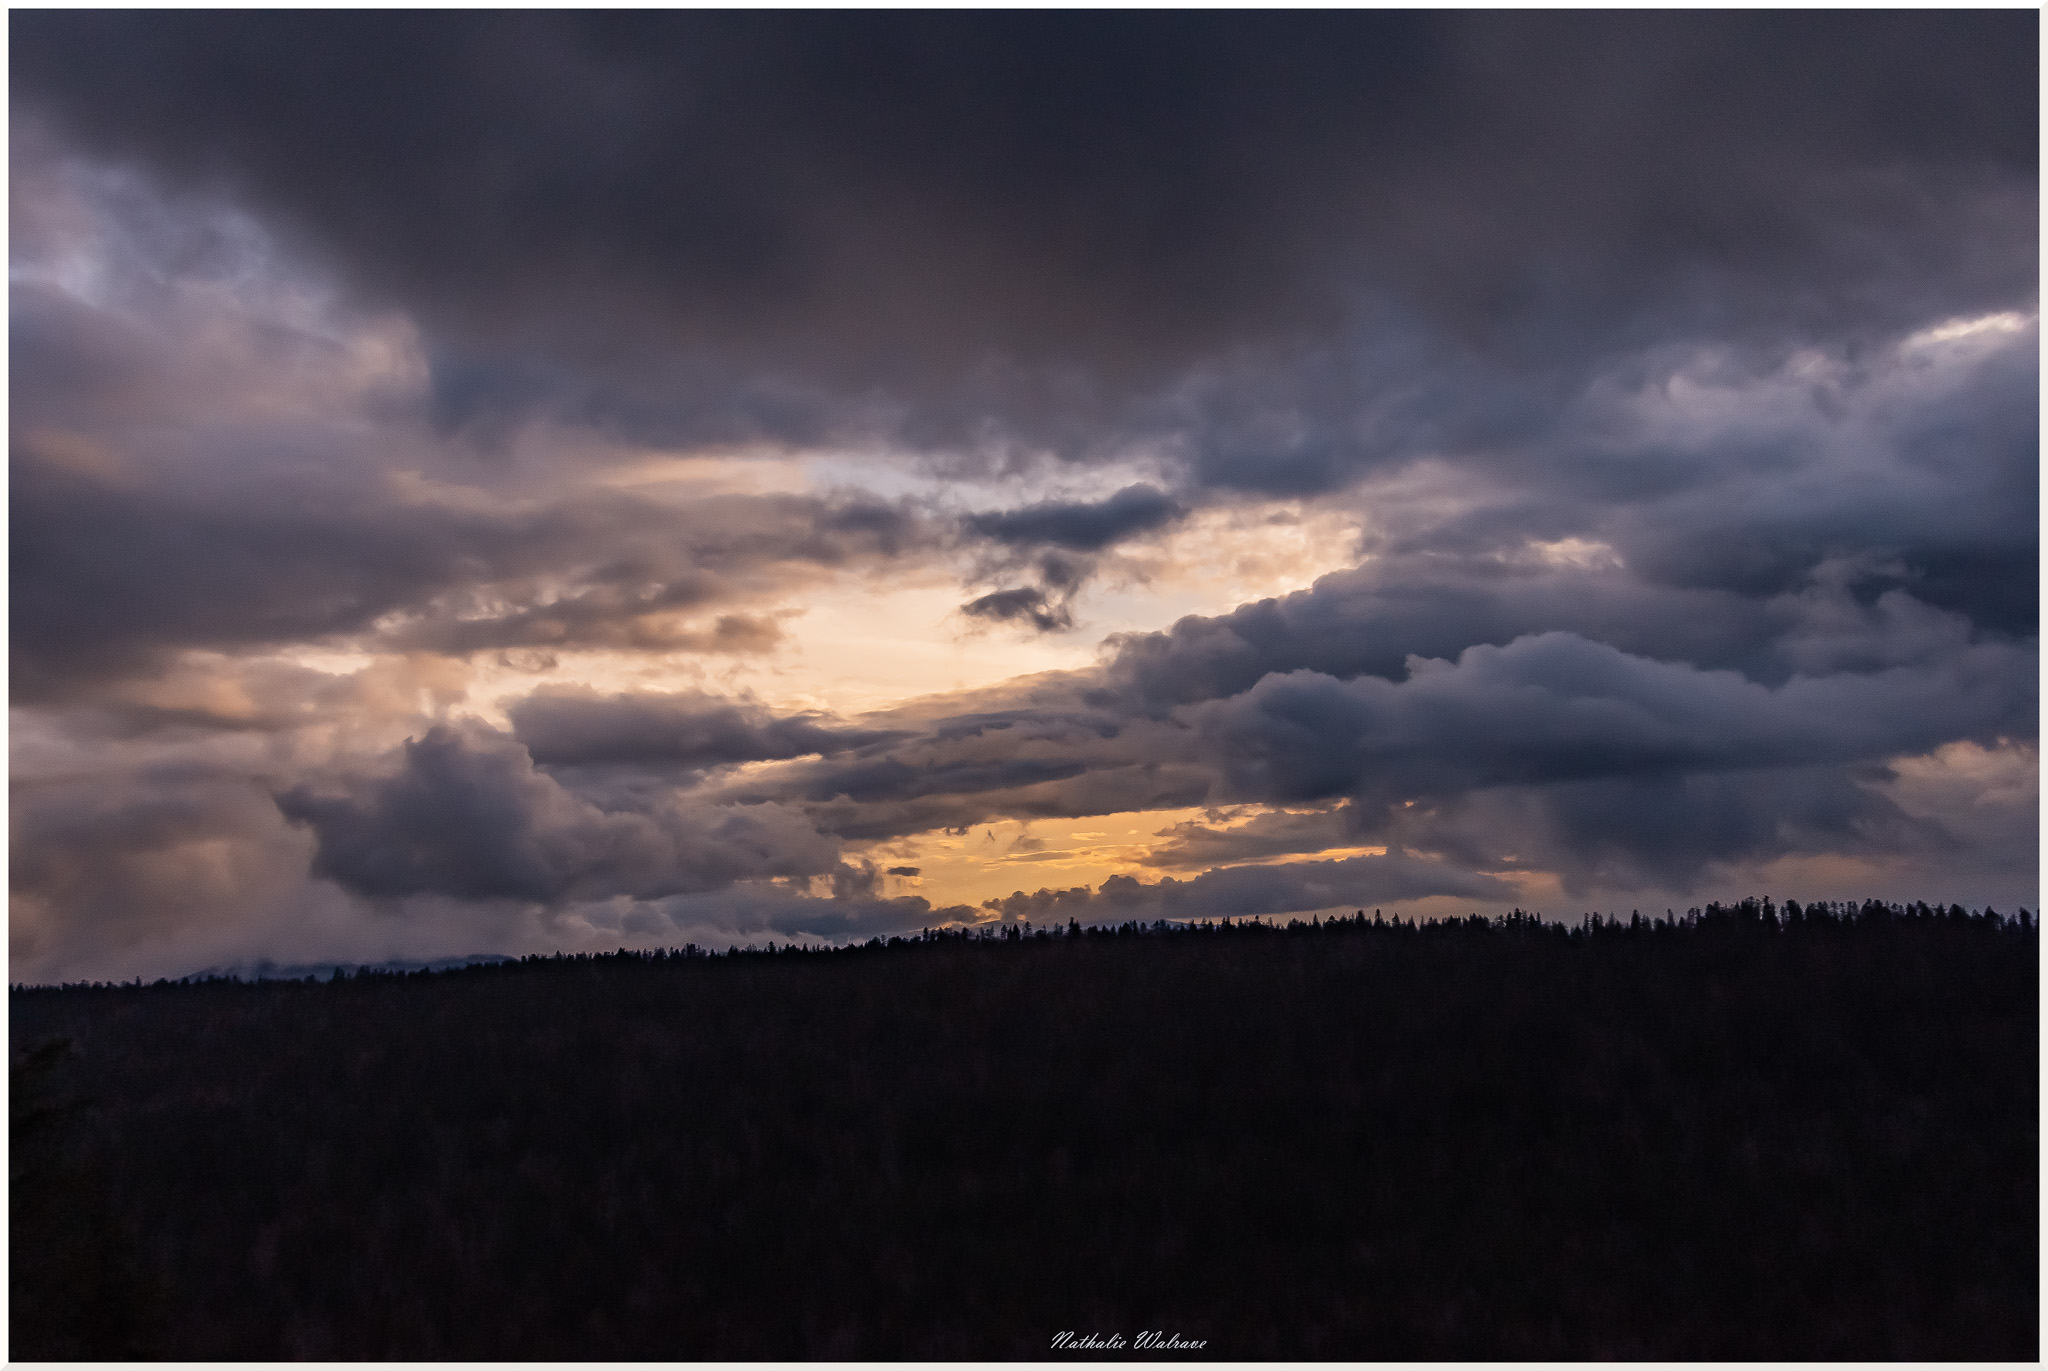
[505, 483]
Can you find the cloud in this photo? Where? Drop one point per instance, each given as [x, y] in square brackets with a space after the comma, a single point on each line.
[746, 915]
[1043, 756]
[212, 451]
[1670, 831]
[103, 862]
[1233, 891]
[1594, 759]
[802, 224]
[1275, 833]
[467, 815]
[1028, 603]
[1056, 540]
[1553, 707]
[576, 726]
[114, 579]
[1081, 527]
[1678, 373]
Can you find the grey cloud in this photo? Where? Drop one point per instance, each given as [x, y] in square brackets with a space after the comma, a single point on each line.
[1049, 606]
[1371, 620]
[640, 576]
[1680, 519]
[1554, 715]
[1054, 540]
[1282, 888]
[1027, 603]
[893, 778]
[206, 456]
[1073, 789]
[1081, 527]
[1556, 707]
[210, 700]
[100, 863]
[641, 619]
[1049, 221]
[1669, 831]
[106, 579]
[467, 815]
[1924, 464]
[1055, 759]
[576, 726]
[1273, 834]
[109, 577]
[1573, 725]
[751, 912]
[1718, 571]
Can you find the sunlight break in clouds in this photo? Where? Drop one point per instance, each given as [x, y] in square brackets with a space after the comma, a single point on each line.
[732, 500]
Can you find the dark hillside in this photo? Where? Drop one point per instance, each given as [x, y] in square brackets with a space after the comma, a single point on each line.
[1745, 1135]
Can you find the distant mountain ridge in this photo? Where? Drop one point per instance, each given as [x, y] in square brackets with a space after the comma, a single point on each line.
[267, 970]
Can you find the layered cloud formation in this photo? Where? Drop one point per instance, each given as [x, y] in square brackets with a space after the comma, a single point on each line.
[494, 482]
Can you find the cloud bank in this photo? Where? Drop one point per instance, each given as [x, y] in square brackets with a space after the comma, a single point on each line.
[445, 447]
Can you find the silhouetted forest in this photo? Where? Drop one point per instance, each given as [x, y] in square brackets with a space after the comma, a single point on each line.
[1743, 1132]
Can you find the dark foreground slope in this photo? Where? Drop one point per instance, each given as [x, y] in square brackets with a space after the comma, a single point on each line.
[1737, 1139]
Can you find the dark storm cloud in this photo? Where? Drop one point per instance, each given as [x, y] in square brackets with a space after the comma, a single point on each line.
[1576, 728]
[1423, 112]
[201, 461]
[1552, 753]
[1049, 758]
[1556, 707]
[571, 726]
[1051, 744]
[1618, 832]
[105, 578]
[890, 778]
[1680, 368]
[1934, 483]
[1766, 562]
[1052, 220]
[1078, 526]
[1371, 620]
[1054, 541]
[467, 815]
[1027, 603]
[1665, 830]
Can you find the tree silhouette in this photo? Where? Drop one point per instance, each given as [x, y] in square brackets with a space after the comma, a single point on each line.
[1746, 1131]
